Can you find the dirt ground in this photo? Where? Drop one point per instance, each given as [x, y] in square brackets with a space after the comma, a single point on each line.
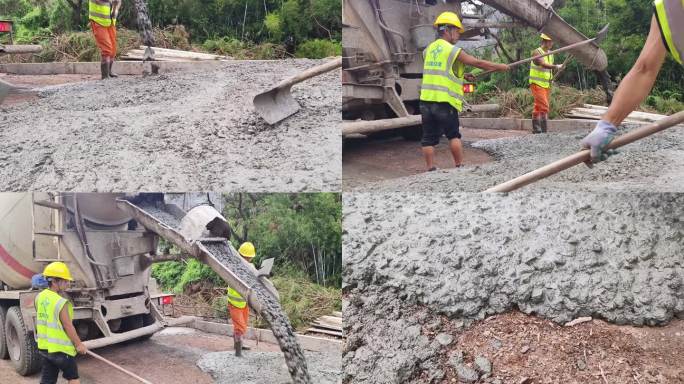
[168, 357]
[172, 356]
[367, 160]
[179, 131]
[521, 346]
[38, 81]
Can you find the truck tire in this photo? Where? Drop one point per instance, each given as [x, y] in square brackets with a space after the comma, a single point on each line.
[4, 354]
[23, 350]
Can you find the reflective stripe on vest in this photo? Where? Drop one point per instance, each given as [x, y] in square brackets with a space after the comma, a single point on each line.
[539, 75]
[670, 16]
[235, 299]
[100, 11]
[50, 335]
[440, 83]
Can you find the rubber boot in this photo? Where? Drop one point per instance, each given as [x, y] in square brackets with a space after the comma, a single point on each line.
[544, 122]
[104, 69]
[536, 125]
[111, 72]
[237, 341]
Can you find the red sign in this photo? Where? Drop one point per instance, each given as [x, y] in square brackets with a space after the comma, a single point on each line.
[5, 26]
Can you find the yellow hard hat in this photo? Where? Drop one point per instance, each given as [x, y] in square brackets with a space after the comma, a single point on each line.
[449, 18]
[59, 270]
[544, 36]
[247, 250]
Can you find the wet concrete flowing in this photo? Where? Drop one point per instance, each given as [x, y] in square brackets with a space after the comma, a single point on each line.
[653, 164]
[144, 24]
[410, 258]
[272, 312]
[177, 131]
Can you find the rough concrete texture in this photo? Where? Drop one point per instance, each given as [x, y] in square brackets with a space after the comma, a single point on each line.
[269, 367]
[181, 131]
[653, 164]
[410, 257]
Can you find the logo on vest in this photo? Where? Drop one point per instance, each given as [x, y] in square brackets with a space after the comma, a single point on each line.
[436, 51]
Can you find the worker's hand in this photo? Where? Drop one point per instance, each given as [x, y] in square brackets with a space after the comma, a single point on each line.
[469, 77]
[82, 349]
[559, 67]
[503, 67]
[598, 139]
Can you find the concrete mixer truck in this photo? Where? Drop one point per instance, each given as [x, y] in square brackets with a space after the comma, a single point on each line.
[109, 242]
[383, 41]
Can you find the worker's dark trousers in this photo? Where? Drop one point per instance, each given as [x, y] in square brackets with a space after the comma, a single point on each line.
[55, 362]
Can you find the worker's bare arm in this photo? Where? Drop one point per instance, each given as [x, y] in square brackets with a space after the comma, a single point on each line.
[65, 319]
[479, 63]
[638, 83]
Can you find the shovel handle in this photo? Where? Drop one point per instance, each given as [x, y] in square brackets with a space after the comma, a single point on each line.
[524, 61]
[583, 156]
[311, 72]
[119, 368]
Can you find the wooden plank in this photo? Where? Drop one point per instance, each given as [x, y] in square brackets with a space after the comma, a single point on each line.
[337, 314]
[332, 327]
[314, 330]
[331, 321]
[183, 54]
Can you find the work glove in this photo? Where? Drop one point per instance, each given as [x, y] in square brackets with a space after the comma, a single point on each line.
[598, 139]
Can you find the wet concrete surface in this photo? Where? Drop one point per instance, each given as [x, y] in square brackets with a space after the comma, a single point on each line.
[170, 356]
[412, 258]
[654, 164]
[179, 131]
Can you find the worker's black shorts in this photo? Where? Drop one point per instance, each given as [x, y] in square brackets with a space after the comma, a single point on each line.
[438, 119]
[55, 362]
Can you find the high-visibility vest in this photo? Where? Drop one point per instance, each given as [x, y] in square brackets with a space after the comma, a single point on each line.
[235, 299]
[540, 75]
[670, 15]
[100, 11]
[50, 335]
[440, 83]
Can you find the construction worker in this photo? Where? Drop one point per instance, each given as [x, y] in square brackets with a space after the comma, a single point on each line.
[540, 84]
[666, 34]
[56, 336]
[102, 16]
[441, 93]
[237, 305]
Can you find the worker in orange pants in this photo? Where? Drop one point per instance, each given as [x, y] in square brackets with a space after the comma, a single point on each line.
[102, 16]
[541, 73]
[237, 305]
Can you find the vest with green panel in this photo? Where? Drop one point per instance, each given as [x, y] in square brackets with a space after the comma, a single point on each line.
[539, 75]
[440, 83]
[670, 15]
[235, 299]
[100, 11]
[50, 334]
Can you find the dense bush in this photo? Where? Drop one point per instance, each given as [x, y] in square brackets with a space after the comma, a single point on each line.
[318, 49]
[264, 27]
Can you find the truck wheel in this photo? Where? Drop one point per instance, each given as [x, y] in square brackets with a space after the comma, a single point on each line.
[4, 354]
[23, 350]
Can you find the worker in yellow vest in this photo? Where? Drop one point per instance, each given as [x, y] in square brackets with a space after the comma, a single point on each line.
[102, 15]
[541, 73]
[237, 305]
[58, 342]
[441, 92]
[666, 34]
